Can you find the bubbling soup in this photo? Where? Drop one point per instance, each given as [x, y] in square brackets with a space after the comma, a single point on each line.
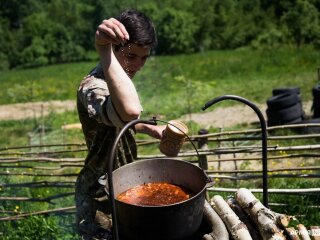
[155, 194]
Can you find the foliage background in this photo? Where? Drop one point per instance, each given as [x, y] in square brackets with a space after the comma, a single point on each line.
[41, 32]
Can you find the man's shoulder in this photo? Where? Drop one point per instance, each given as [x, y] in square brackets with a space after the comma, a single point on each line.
[97, 72]
[95, 79]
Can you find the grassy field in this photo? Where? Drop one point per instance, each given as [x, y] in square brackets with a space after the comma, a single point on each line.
[169, 86]
[190, 79]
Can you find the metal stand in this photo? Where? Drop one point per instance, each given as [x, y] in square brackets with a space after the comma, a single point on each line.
[263, 136]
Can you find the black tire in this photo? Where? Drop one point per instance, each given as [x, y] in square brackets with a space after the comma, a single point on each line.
[285, 115]
[291, 90]
[279, 122]
[281, 101]
[316, 91]
[273, 122]
[316, 108]
[309, 130]
[316, 101]
[296, 121]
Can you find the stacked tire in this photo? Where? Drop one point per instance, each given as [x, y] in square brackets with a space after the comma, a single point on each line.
[316, 101]
[316, 112]
[284, 107]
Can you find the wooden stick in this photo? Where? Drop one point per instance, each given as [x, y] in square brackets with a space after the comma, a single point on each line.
[236, 227]
[26, 199]
[232, 150]
[286, 205]
[43, 168]
[315, 232]
[292, 233]
[253, 229]
[53, 211]
[43, 145]
[269, 170]
[40, 184]
[218, 229]
[303, 232]
[275, 157]
[256, 138]
[42, 153]
[270, 190]
[208, 171]
[264, 218]
[258, 130]
[259, 176]
[41, 159]
[40, 174]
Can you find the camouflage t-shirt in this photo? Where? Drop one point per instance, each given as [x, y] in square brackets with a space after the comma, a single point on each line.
[101, 124]
[98, 115]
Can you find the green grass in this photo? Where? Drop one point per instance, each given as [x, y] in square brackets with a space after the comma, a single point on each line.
[176, 85]
[18, 132]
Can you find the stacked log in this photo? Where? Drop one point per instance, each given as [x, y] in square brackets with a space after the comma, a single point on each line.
[245, 218]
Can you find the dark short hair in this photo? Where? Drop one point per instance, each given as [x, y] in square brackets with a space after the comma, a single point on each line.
[140, 28]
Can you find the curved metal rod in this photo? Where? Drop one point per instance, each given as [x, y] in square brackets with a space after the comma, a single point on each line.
[110, 160]
[263, 135]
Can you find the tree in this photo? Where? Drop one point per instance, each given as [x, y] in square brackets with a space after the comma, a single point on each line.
[302, 20]
[176, 31]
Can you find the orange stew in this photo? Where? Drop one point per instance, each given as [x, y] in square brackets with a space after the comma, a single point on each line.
[155, 194]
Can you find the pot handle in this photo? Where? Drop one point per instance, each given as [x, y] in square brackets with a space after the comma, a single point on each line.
[110, 160]
[209, 182]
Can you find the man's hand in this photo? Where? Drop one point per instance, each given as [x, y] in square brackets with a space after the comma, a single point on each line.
[154, 131]
[111, 31]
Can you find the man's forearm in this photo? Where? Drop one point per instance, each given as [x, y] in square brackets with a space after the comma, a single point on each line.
[122, 91]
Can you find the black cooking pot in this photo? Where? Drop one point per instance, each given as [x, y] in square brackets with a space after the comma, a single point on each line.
[178, 221]
[169, 222]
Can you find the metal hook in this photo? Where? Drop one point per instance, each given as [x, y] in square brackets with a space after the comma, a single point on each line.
[263, 136]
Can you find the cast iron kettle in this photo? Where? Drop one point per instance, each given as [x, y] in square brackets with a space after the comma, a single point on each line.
[178, 221]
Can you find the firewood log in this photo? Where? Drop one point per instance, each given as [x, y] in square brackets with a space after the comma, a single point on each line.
[292, 233]
[267, 221]
[303, 232]
[218, 229]
[253, 229]
[315, 232]
[237, 228]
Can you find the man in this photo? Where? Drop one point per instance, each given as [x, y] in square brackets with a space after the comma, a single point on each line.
[107, 99]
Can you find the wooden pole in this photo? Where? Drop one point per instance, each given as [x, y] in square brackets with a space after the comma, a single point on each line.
[235, 226]
[203, 145]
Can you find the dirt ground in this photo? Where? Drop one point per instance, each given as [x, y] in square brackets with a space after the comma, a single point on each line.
[34, 109]
[217, 117]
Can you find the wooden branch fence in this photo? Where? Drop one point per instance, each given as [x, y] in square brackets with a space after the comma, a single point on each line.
[227, 157]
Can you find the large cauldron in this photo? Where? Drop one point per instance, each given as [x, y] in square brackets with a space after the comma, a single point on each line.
[178, 221]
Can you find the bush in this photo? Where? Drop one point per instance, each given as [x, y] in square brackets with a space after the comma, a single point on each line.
[176, 30]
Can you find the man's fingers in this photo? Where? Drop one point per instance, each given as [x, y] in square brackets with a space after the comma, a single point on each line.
[111, 31]
[103, 39]
[107, 29]
[115, 29]
[121, 28]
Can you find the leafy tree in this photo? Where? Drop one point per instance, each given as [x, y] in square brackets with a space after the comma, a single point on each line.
[224, 12]
[39, 32]
[43, 32]
[302, 20]
[206, 36]
[176, 30]
[5, 43]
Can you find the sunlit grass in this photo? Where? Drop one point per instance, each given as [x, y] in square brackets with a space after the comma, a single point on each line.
[176, 85]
